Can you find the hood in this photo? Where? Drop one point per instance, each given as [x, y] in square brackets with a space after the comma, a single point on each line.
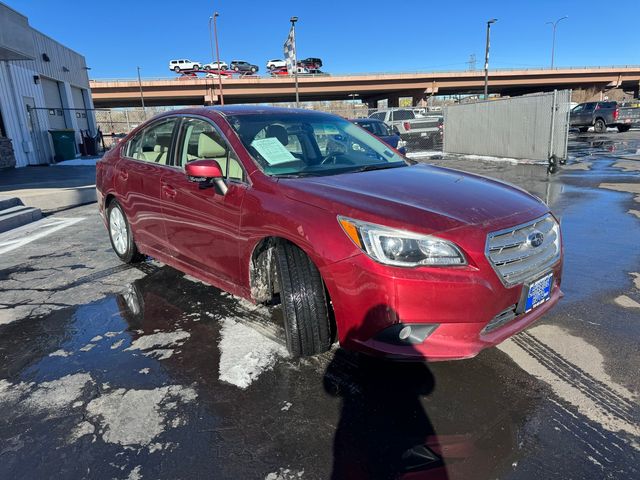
[431, 198]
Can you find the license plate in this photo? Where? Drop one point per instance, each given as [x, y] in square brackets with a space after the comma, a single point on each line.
[539, 292]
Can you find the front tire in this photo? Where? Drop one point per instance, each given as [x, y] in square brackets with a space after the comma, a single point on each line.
[120, 234]
[599, 126]
[304, 304]
[176, 69]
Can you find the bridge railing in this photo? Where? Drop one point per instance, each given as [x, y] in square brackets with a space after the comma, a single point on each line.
[382, 73]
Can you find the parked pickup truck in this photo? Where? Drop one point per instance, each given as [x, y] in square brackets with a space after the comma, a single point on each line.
[416, 131]
[600, 115]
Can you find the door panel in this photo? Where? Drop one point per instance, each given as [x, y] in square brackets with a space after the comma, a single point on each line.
[138, 182]
[202, 225]
[138, 188]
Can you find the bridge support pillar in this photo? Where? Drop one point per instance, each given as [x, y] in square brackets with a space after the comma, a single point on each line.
[210, 97]
[393, 101]
[372, 104]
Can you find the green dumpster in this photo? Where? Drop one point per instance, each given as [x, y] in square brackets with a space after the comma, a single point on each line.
[64, 144]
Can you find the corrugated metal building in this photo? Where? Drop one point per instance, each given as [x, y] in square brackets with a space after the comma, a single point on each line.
[43, 86]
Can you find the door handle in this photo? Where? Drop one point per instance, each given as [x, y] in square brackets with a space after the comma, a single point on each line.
[169, 191]
[124, 175]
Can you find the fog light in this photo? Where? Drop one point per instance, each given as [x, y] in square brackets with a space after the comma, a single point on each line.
[402, 334]
[405, 333]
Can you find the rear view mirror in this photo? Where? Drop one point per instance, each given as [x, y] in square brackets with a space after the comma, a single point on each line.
[206, 171]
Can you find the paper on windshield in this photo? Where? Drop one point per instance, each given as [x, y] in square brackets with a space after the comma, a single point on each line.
[272, 151]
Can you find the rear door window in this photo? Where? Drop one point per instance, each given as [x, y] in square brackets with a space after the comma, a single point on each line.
[153, 143]
[403, 115]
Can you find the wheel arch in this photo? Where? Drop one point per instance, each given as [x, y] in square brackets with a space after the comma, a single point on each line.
[262, 264]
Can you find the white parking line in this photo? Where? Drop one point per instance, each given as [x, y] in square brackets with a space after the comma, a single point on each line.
[21, 236]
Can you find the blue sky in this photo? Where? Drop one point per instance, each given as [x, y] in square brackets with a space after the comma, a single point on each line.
[349, 35]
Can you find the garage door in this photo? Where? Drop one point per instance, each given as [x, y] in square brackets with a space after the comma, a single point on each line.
[80, 113]
[53, 102]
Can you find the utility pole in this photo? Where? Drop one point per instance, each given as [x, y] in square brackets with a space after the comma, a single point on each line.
[144, 110]
[293, 21]
[215, 35]
[553, 43]
[486, 59]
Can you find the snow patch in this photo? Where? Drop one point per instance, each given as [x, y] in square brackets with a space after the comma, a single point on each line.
[144, 371]
[117, 344]
[160, 353]
[626, 302]
[245, 353]
[87, 347]
[159, 339]
[137, 417]
[82, 429]
[285, 474]
[60, 353]
[286, 406]
[135, 473]
[58, 394]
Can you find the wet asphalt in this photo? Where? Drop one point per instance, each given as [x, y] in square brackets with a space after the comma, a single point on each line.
[114, 371]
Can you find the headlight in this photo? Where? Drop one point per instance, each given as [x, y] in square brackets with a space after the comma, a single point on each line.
[401, 248]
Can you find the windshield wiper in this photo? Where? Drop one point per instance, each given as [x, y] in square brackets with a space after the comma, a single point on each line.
[377, 166]
[298, 174]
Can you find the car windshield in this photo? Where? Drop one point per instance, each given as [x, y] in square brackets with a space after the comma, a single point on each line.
[311, 144]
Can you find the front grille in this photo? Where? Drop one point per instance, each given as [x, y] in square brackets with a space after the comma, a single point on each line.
[514, 254]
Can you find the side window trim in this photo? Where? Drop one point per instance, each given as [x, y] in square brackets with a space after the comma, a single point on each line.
[179, 144]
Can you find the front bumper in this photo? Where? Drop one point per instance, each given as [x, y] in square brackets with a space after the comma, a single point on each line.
[368, 297]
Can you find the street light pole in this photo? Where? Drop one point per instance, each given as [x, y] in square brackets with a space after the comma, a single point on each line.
[144, 110]
[486, 59]
[293, 21]
[553, 44]
[215, 34]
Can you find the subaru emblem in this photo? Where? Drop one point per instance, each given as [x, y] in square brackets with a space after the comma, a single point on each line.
[535, 239]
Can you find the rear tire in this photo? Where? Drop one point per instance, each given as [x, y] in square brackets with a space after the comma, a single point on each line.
[176, 69]
[599, 126]
[120, 234]
[624, 128]
[304, 304]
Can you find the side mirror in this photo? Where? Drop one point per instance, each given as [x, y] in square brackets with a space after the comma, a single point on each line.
[204, 172]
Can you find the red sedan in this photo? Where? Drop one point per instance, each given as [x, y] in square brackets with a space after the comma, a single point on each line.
[307, 209]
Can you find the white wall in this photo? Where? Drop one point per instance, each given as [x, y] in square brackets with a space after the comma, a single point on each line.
[17, 81]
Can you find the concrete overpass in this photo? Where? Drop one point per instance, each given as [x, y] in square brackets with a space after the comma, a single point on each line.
[368, 87]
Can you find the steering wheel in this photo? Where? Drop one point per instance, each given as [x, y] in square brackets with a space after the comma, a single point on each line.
[332, 159]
